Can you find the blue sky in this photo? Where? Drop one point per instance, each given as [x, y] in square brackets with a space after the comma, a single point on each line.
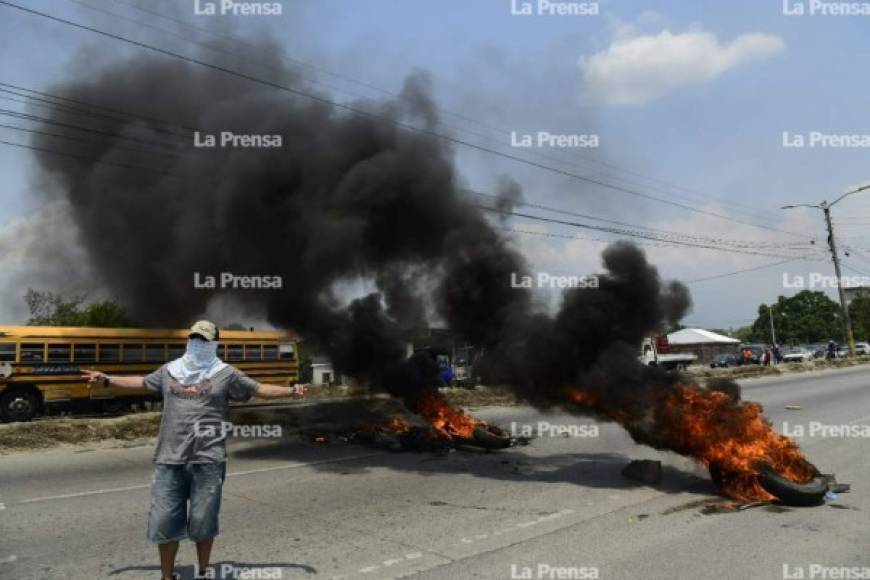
[696, 95]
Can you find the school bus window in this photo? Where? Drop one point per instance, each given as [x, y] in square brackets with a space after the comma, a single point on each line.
[235, 352]
[155, 352]
[175, 351]
[59, 352]
[287, 352]
[270, 352]
[110, 353]
[253, 352]
[133, 353]
[32, 353]
[7, 352]
[85, 353]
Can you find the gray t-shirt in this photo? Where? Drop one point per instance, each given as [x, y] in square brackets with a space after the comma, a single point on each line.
[195, 421]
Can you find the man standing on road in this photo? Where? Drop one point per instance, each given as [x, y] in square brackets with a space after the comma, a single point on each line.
[190, 458]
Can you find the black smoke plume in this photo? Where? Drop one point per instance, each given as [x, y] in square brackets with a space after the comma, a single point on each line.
[346, 197]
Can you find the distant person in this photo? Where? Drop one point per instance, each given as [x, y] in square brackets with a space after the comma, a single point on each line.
[832, 350]
[777, 354]
[747, 356]
[445, 374]
[765, 357]
[190, 458]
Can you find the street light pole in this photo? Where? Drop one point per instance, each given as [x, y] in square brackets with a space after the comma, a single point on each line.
[832, 244]
[847, 320]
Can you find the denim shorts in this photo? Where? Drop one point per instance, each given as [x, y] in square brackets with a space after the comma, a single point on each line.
[185, 501]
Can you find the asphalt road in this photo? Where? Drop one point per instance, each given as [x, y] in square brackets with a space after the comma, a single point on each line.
[558, 508]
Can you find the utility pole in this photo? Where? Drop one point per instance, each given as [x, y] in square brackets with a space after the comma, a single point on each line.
[832, 245]
[847, 320]
[772, 329]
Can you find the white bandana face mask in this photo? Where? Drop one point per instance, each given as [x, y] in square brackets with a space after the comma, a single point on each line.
[199, 362]
[201, 353]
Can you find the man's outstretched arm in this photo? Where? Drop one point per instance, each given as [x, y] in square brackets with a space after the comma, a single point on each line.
[265, 391]
[96, 378]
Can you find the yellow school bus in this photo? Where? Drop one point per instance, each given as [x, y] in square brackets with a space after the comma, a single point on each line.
[40, 366]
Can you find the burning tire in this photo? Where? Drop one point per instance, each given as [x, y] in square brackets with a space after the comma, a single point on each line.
[491, 437]
[790, 492]
[786, 491]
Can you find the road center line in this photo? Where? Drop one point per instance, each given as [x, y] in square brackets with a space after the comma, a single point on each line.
[238, 473]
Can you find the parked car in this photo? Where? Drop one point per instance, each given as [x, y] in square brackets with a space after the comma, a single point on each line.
[797, 354]
[724, 360]
[862, 348]
[842, 351]
[818, 350]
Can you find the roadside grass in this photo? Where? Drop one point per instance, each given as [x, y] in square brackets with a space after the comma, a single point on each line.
[750, 371]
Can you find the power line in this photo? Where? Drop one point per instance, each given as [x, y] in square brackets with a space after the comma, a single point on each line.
[639, 227]
[478, 193]
[79, 140]
[37, 118]
[388, 93]
[736, 272]
[473, 192]
[627, 233]
[406, 126]
[64, 106]
[71, 156]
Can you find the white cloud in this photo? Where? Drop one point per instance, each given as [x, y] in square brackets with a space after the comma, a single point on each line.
[635, 69]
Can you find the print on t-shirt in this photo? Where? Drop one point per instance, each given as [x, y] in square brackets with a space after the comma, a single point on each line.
[194, 391]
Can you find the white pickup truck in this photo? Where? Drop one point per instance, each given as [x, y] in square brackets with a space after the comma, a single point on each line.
[655, 351]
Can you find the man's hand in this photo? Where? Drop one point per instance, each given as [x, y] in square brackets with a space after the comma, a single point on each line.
[95, 378]
[298, 390]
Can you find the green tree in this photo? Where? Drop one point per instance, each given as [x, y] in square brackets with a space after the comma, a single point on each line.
[50, 309]
[805, 317]
[744, 334]
[859, 311]
[105, 314]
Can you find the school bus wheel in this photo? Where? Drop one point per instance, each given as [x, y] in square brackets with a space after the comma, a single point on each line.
[19, 404]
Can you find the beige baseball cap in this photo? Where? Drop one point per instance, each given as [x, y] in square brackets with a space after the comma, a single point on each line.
[204, 328]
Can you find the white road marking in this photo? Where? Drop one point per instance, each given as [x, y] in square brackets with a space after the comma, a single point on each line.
[84, 493]
[368, 569]
[392, 562]
[8, 559]
[238, 473]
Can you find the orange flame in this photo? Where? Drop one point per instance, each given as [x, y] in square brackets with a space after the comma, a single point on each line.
[448, 421]
[710, 427]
